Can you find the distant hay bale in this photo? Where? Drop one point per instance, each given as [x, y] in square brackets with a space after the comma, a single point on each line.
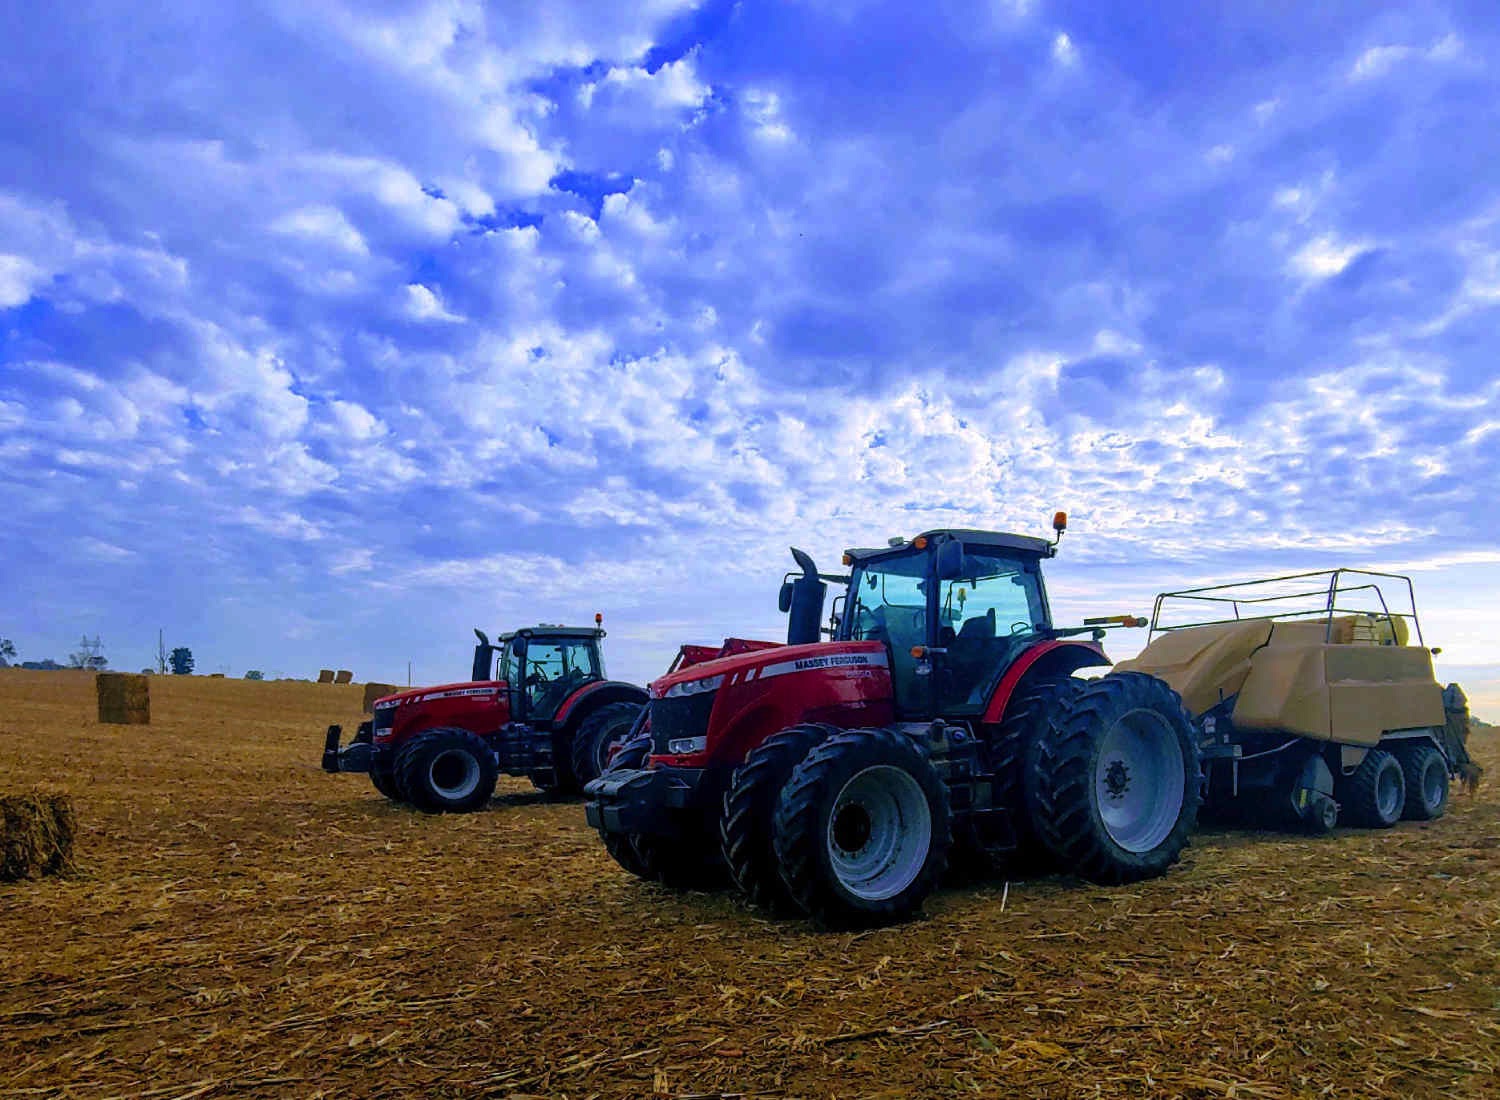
[377, 691]
[36, 835]
[124, 699]
[216, 676]
[325, 676]
[344, 677]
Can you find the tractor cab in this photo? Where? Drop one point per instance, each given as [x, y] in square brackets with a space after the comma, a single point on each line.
[543, 666]
[954, 609]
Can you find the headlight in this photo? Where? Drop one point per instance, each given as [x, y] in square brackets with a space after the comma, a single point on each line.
[693, 687]
[687, 746]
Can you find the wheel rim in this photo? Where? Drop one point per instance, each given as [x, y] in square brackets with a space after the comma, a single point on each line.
[1434, 779]
[1388, 791]
[879, 832]
[453, 774]
[1139, 781]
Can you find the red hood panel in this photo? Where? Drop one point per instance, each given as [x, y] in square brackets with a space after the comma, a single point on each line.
[442, 691]
[770, 662]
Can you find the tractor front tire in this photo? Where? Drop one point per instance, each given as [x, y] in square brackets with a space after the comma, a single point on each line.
[597, 734]
[745, 829]
[383, 779]
[446, 771]
[1426, 774]
[631, 756]
[1375, 795]
[1118, 780]
[863, 829]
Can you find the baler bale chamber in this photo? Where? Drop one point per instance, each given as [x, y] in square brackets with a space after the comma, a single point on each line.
[1314, 699]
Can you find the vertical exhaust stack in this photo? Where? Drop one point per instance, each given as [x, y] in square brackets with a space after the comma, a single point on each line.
[484, 658]
[802, 600]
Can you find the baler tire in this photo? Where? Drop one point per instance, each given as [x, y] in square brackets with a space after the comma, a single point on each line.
[1375, 795]
[415, 777]
[833, 791]
[595, 735]
[1426, 773]
[1014, 755]
[746, 833]
[1111, 725]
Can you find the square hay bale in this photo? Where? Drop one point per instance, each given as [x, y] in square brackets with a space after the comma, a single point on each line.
[325, 675]
[343, 676]
[36, 835]
[377, 691]
[124, 698]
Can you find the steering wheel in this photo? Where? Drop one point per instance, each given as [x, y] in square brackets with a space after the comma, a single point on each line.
[1019, 628]
[536, 678]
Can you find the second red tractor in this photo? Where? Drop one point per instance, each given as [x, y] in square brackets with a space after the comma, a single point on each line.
[835, 778]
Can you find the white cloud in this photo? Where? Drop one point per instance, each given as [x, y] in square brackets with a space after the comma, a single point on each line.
[1325, 256]
[1379, 60]
[1063, 50]
[422, 304]
[19, 278]
[322, 223]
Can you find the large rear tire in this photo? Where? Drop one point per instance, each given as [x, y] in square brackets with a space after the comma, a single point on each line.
[1015, 753]
[1426, 774]
[1118, 780]
[446, 771]
[1374, 796]
[863, 829]
[597, 734]
[746, 833]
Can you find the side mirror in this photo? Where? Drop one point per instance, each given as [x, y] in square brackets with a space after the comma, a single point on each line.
[950, 560]
[784, 599]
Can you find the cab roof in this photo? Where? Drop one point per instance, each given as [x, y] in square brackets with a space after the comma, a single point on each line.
[999, 540]
[548, 630]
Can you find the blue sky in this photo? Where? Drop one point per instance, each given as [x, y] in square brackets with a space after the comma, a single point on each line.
[328, 331]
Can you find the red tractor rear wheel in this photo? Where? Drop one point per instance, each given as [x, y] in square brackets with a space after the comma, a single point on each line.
[1118, 780]
[598, 734]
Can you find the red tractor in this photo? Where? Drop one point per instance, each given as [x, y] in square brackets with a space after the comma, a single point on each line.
[542, 710]
[834, 777]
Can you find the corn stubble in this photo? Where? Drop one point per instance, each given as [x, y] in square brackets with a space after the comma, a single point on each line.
[239, 923]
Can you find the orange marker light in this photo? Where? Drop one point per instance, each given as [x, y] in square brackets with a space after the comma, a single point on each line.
[598, 618]
[920, 542]
[848, 559]
[919, 651]
[1060, 521]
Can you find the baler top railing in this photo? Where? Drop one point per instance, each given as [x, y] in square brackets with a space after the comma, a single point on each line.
[1242, 594]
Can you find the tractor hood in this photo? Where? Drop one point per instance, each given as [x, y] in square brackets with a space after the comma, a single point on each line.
[440, 691]
[766, 663]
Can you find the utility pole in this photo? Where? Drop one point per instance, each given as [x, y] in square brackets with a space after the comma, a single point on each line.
[408, 674]
[161, 652]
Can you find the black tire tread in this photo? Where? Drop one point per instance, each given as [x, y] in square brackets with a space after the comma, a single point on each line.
[594, 726]
[746, 827]
[1015, 753]
[799, 839]
[1358, 798]
[411, 763]
[1066, 820]
[1415, 760]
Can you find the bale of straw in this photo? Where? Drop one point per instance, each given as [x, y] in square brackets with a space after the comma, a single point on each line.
[325, 675]
[344, 676]
[377, 691]
[124, 698]
[36, 835]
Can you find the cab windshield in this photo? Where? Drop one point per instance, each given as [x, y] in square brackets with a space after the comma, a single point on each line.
[981, 619]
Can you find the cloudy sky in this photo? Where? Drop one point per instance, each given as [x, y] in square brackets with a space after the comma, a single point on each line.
[331, 330]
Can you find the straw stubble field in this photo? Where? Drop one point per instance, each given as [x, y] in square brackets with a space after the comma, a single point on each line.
[242, 924]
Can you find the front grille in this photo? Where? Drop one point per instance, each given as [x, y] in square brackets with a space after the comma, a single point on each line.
[383, 718]
[683, 716]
